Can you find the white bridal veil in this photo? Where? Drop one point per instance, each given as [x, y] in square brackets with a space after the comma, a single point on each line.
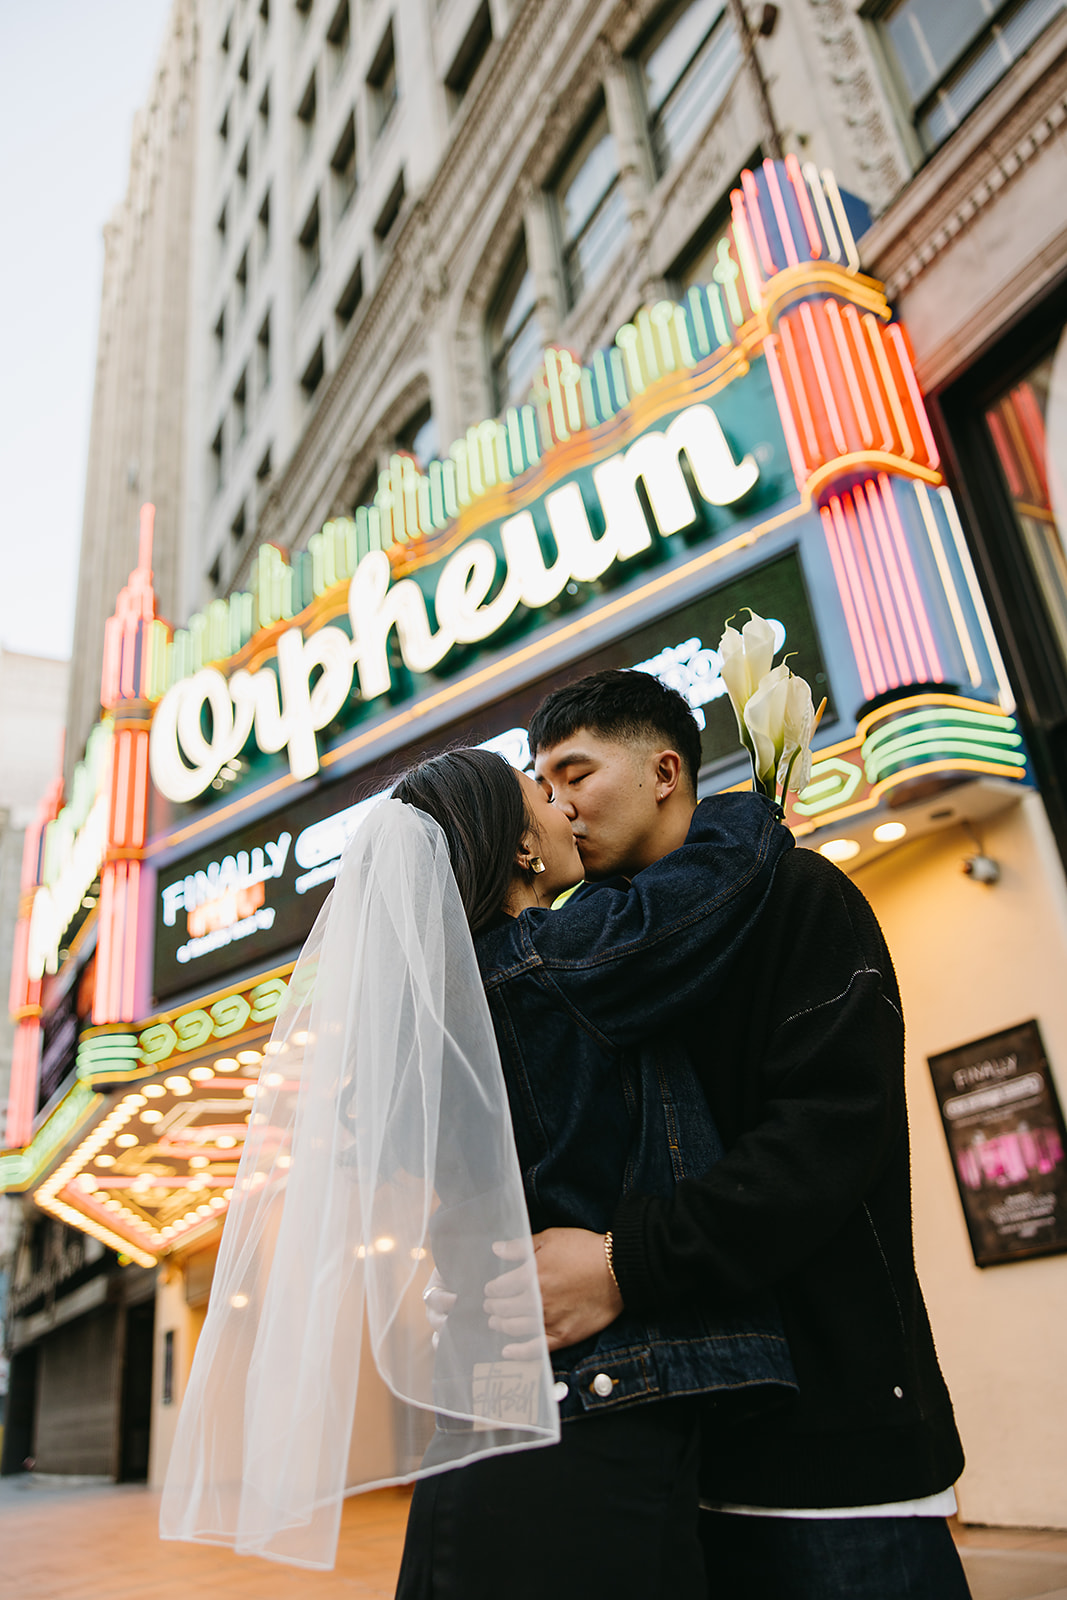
[379, 1146]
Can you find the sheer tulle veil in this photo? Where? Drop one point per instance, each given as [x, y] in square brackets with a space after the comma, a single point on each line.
[379, 1146]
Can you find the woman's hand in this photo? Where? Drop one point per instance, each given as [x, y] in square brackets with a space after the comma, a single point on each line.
[578, 1295]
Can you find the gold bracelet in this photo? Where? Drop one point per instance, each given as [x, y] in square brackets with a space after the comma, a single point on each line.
[609, 1256]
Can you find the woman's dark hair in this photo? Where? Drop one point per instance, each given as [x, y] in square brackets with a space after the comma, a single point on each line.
[476, 797]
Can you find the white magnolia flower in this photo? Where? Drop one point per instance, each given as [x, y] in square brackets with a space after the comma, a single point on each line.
[775, 717]
[765, 713]
[746, 659]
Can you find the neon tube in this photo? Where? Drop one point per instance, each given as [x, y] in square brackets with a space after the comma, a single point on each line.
[855, 632]
[837, 206]
[904, 600]
[865, 568]
[1007, 697]
[822, 375]
[755, 219]
[770, 172]
[907, 368]
[847, 359]
[908, 569]
[796, 178]
[859, 596]
[874, 333]
[785, 413]
[959, 621]
[883, 585]
[795, 374]
[851, 319]
[818, 195]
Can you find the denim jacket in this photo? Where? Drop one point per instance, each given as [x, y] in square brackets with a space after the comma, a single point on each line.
[581, 999]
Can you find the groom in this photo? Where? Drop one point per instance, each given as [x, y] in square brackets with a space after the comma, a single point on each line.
[844, 1492]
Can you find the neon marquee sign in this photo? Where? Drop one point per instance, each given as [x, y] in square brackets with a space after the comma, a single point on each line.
[315, 674]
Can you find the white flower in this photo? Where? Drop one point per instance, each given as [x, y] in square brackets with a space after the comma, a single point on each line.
[773, 708]
[794, 763]
[746, 659]
[765, 713]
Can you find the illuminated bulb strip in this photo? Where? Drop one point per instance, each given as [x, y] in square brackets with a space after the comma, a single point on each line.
[959, 621]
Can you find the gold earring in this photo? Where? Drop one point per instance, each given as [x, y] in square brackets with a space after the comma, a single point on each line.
[536, 864]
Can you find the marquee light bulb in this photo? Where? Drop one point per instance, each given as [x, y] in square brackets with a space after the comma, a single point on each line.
[889, 832]
[840, 849]
[155, 1091]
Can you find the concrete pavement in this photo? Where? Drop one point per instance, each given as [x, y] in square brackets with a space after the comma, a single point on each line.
[91, 1541]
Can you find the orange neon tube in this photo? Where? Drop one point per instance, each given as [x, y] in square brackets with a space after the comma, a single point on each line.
[800, 189]
[851, 319]
[755, 218]
[822, 376]
[795, 377]
[781, 217]
[785, 413]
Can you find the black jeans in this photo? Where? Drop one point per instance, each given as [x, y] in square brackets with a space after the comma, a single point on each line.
[848, 1558]
[610, 1510]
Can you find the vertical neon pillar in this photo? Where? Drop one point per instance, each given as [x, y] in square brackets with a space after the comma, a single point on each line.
[124, 692]
[25, 993]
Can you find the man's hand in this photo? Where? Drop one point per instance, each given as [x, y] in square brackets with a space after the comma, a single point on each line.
[578, 1293]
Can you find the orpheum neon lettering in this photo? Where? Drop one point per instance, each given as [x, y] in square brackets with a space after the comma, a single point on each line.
[56, 904]
[286, 712]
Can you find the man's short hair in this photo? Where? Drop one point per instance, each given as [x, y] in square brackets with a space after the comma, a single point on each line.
[628, 707]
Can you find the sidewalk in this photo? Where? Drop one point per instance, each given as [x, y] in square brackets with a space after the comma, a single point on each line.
[99, 1542]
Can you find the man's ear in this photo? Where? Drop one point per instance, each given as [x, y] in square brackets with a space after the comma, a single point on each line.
[667, 766]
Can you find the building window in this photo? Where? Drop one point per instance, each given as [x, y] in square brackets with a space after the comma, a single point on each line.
[220, 228]
[687, 67]
[390, 211]
[590, 207]
[948, 57]
[263, 224]
[263, 353]
[264, 12]
[244, 71]
[419, 437]
[242, 171]
[264, 470]
[310, 249]
[343, 169]
[240, 278]
[240, 408]
[214, 576]
[219, 332]
[305, 115]
[1023, 422]
[313, 373]
[217, 474]
[224, 128]
[470, 55]
[339, 35]
[264, 112]
[238, 525]
[515, 343]
[303, 8]
[224, 42]
[351, 295]
[382, 83]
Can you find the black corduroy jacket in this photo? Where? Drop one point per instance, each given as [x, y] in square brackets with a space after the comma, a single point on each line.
[803, 1067]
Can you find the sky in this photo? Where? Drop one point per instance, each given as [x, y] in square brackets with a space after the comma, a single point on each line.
[72, 74]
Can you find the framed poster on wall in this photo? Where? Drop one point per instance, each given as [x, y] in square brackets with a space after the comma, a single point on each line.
[1005, 1133]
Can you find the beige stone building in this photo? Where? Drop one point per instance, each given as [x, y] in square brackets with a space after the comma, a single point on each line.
[139, 395]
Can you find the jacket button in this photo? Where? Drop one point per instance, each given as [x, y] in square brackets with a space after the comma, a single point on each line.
[602, 1385]
[560, 1391]
[898, 1391]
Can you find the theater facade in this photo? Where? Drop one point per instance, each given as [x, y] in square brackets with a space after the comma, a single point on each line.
[763, 443]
